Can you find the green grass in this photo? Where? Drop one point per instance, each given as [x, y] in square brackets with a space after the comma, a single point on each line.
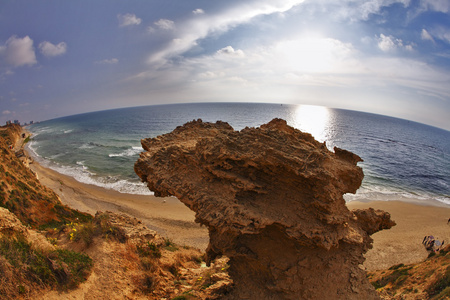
[58, 268]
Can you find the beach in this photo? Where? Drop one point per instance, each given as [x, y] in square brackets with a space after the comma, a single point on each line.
[403, 242]
[167, 216]
[173, 220]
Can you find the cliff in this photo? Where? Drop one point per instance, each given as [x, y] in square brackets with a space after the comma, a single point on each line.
[50, 251]
[22, 193]
[272, 199]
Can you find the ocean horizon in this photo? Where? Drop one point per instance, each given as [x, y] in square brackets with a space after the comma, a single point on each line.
[403, 160]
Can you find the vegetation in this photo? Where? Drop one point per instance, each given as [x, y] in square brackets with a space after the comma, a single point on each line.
[441, 287]
[396, 278]
[426, 280]
[91, 228]
[22, 194]
[25, 269]
[62, 269]
[156, 267]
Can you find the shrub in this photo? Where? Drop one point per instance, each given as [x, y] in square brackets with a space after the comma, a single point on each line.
[79, 265]
[84, 232]
[108, 230]
[149, 249]
[45, 268]
[441, 284]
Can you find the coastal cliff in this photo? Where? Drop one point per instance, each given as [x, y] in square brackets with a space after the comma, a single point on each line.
[21, 191]
[50, 251]
[272, 200]
[113, 255]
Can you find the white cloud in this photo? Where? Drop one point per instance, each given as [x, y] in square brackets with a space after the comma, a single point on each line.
[436, 5]
[192, 30]
[111, 61]
[128, 20]
[48, 49]
[6, 112]
[165, 24]
[198, 11]
[442, 33]
[388, 43]
[18, 51]
[352, 9]
[228, 50]
[426, 36]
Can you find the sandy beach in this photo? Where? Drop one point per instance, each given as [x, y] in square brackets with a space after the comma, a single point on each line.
[168, 216]
[403, 242]
[173, 220]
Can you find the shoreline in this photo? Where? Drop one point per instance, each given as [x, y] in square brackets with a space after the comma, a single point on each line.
[167, 216]
[172, 219]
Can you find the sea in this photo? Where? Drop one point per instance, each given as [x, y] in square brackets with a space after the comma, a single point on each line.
[403, 160]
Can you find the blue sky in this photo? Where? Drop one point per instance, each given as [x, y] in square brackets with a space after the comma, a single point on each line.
[390, 57]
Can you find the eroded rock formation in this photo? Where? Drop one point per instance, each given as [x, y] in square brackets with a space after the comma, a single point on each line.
[272, 199]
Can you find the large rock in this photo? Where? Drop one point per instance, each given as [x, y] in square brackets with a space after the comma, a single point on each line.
[272, 199]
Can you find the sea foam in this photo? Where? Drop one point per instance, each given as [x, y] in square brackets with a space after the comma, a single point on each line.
[128, 152]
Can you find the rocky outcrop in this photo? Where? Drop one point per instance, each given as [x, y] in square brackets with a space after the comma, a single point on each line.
[272, 199]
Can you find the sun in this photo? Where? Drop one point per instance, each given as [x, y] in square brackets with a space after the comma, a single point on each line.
[311, 54]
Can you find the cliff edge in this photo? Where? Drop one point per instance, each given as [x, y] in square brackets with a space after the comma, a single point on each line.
[272, 199]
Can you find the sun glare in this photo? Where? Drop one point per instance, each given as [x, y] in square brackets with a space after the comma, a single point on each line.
[313, 119]
[312, 54]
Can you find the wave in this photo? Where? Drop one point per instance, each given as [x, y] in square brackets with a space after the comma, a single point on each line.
[81, 173]
[84, 167]
[128, 152]
[30, 146]
[90, 145]
[380, 193]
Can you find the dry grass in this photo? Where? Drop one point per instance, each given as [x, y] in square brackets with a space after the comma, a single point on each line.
[429, 279]
[26, 270]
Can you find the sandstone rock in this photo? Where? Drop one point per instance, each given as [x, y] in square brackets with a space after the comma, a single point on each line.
[272, 199]
[132, 229]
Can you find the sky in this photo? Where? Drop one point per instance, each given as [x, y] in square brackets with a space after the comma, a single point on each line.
[389, 57]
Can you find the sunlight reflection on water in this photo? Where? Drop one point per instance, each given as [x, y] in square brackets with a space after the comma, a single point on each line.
[314, 120]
